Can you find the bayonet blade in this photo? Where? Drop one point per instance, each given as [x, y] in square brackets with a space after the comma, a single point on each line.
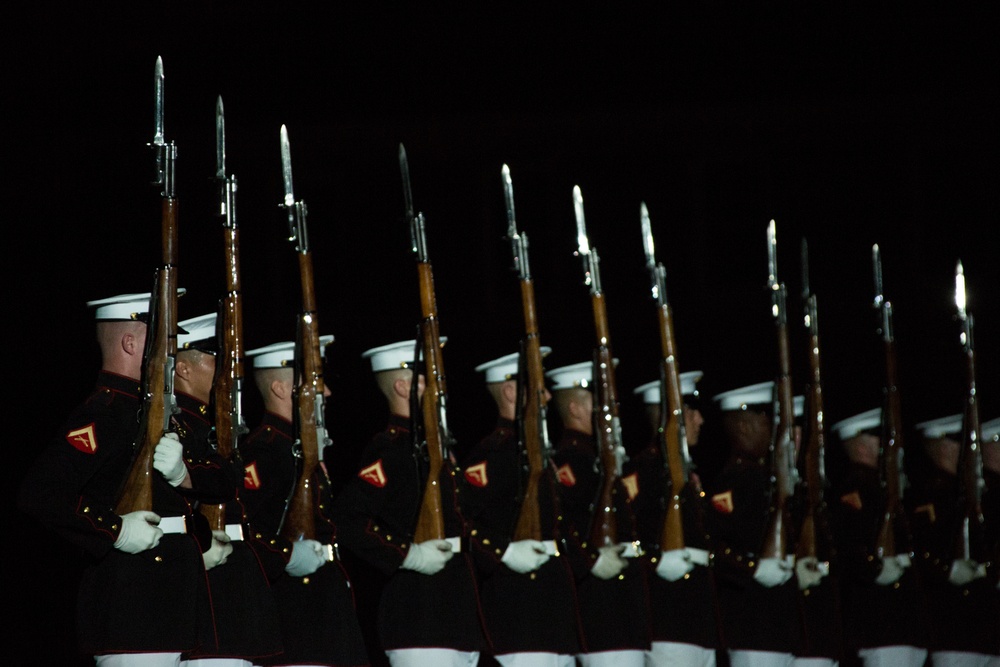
[286, 167]
[647, 236]
[877, 271]
[960, 294]
[805, 269]
[772, 256]
[508, 194]
[158, 102]
[404, 169]
[220, 140]
[583, 244]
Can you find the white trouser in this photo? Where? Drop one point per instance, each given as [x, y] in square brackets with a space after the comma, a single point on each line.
[667, 654]
[138, 660]
[629, 658]
[815, 662]
[963, 659]
[893, 656]
[744, 658]
[536, 659]
[216, 662]
[432, 657]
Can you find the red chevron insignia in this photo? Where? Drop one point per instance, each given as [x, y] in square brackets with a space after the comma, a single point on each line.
[631, 484]
[723, 502]
[476, 475]
[565, 475]
[251, 480]
[374, 474]
[83, 439]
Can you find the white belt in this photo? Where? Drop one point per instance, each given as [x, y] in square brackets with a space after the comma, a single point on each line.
[456, 544]
[172, 525]
[235, 531]
[551, 548]
[697, 556]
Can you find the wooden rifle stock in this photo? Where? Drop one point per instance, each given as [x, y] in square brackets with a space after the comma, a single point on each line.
[299, 521]
[430, 520]
[159, 404]
[672, 434]
[807, 545]
[531, 381]
[227, 390]
[970, 541]
[604, 526]
[891, 443]
[529, 522]
[158, 369]
[672, 428]
[776, 540]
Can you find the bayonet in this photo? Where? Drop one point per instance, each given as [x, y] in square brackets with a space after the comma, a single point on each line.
[297, 211]
[418, 236]
[165, 153]
[592, 276]
[519, 241]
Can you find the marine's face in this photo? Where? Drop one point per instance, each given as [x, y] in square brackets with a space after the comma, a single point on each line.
[692, 424]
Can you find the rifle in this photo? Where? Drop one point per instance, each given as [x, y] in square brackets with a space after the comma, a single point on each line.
[534, 433]
[784, 471]
[672, 431]
[227, 389]
[814, 454]
[435, 438]
[299, 521]
[891, 444]
[970, 461]
[607, 428]
[159, 357]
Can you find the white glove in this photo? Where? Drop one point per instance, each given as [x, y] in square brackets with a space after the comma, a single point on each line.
[610, 563]
[524, 556]
[168, 458]
[674, 564]
[773, 572]
[964, 571]
[140, 531]
[809, 572]
[428, 557]
[307, 557]
[892, 569]
[219, 551]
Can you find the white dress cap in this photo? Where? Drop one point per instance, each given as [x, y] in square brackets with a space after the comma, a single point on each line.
[124, 306]
[739, 399]
[504, 368]
[197, 330]
[394, 356]
[990, 430]
[280, 355]
[852, 426]
[651, 390]
[121, 307]
[939, 428]
[577, 376]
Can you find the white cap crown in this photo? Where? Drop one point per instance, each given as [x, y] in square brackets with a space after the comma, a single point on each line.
[505, 367]
[280, 355]
[848, 428]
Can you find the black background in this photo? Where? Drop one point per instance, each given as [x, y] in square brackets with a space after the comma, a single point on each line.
[849, 128]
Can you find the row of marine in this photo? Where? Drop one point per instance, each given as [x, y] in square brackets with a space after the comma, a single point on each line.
[211, 544]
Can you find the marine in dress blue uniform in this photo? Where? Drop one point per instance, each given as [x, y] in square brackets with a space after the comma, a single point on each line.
[245, 619]
[681, 589]
[143, 598]
[964, 604]
[311, 587]
[611, 598]
[429, 610]
[527, 587]
[757, 596]
[885, 612]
